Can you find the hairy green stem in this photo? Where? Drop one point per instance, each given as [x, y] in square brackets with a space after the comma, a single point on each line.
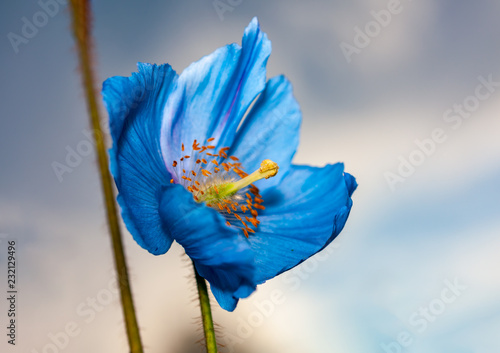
[206, 313]
[80, 10]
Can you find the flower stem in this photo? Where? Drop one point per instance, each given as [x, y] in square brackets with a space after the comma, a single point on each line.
[206, 313]
[80, 10]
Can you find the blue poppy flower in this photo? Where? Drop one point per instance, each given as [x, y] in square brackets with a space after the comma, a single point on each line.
[187, 157]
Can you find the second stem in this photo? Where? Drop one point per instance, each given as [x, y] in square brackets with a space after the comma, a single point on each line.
[206, 313]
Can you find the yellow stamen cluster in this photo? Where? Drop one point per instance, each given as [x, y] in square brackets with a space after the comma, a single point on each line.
[212, 179]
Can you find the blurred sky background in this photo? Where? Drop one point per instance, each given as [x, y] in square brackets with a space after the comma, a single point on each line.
[402, 246]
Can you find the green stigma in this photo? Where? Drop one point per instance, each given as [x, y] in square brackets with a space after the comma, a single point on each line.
[215, 193]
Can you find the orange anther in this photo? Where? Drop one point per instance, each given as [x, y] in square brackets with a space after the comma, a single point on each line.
[171, 181]
[254, 221]
[221, 160]
[240, 172]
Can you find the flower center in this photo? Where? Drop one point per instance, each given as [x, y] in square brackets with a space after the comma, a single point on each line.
[219, 181]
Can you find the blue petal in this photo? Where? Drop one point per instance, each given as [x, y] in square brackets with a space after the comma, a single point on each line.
[228, 301]
[214, 93]
[303, 215]
[270, 131]
[350, 183]
[135, 106]
[221, 254]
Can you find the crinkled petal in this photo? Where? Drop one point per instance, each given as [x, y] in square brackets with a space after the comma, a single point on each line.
[303, 215]
[228, 301]
[135, 106]
[214, 93]
[270, 131]
[221, 254]
[350, 183]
